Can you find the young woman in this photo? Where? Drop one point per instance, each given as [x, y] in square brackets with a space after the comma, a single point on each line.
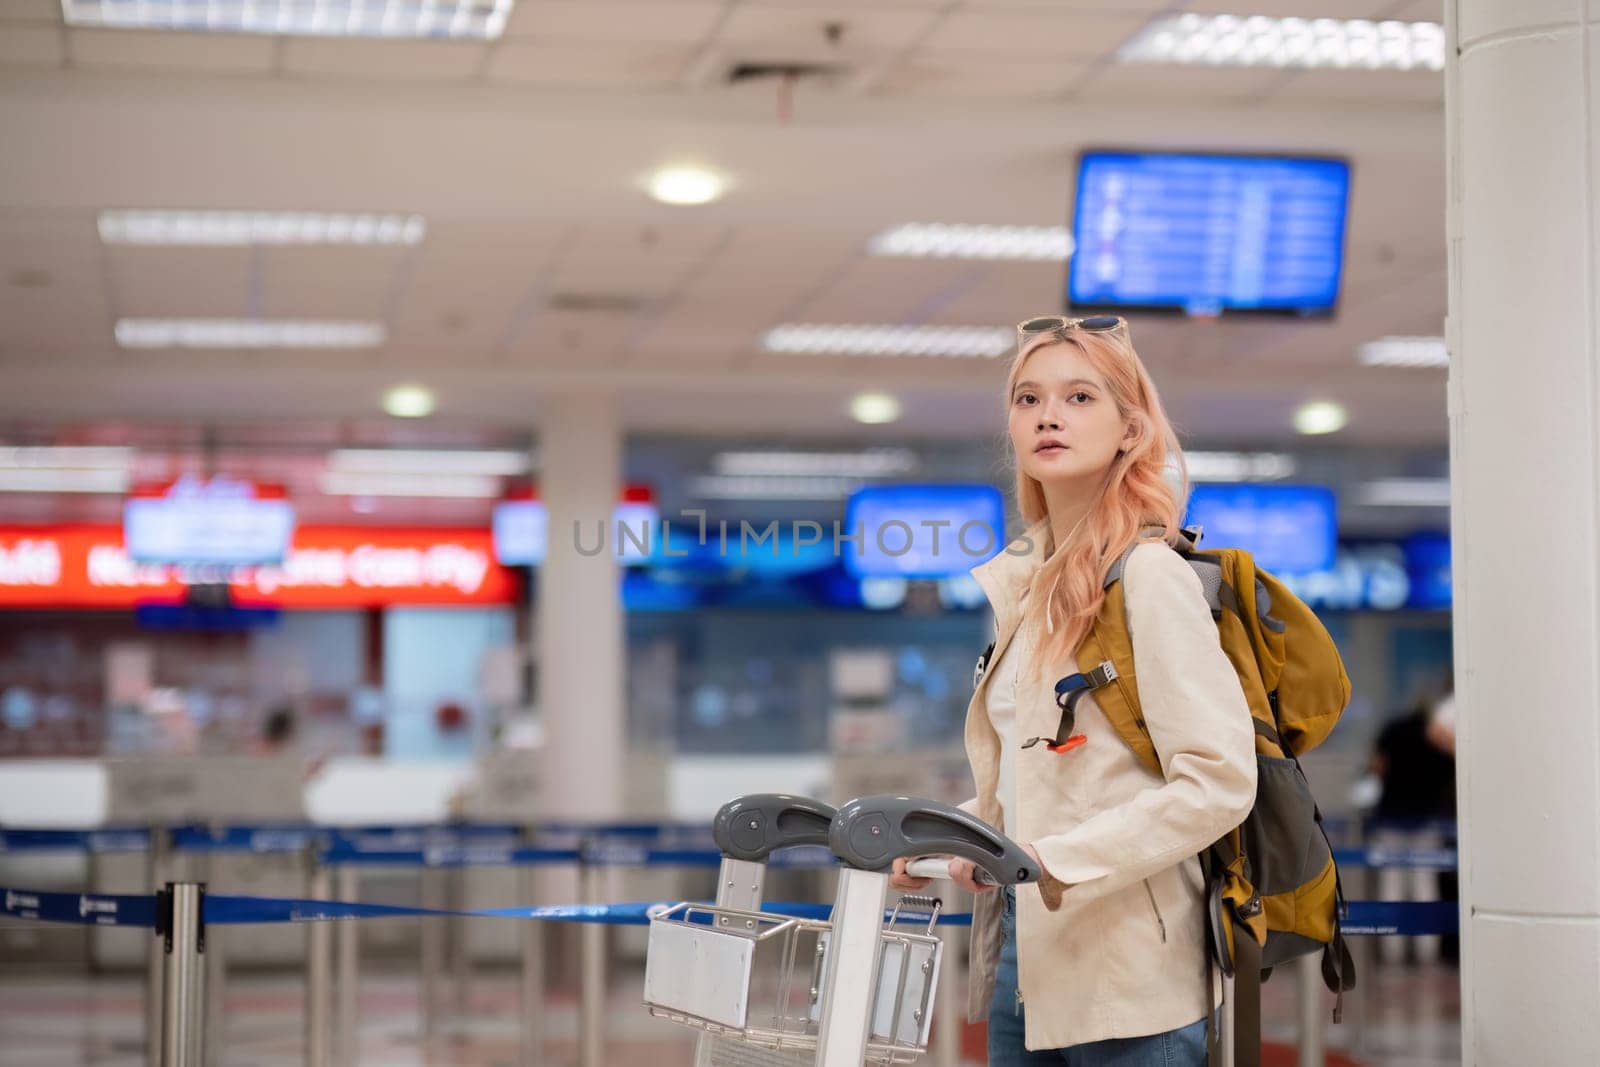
[1105, 961]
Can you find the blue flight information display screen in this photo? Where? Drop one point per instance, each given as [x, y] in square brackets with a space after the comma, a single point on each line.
[1289, 528]
[921, 531]
[1208, 234]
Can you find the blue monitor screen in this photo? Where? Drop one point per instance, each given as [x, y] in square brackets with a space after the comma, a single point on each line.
[1291, 528]
[922, 531]
[1208, 234]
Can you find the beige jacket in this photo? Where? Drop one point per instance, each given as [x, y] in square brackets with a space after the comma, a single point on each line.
[1121, 951]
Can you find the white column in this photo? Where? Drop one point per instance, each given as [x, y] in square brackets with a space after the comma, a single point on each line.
[578, 623]
[1523, 111]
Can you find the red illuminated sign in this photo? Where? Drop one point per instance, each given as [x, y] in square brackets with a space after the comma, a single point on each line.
[328, 567]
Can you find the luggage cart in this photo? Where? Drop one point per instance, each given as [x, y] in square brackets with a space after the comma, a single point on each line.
[849, 990]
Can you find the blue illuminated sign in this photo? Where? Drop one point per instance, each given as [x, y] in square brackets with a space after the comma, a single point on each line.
[1208, 233]
[922, 531]
[1291, 528]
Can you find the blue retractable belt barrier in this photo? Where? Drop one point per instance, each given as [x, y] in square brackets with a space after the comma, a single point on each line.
[455, 854]
[87, 909]
[101, 909]
[111, 839]
[1415, 859]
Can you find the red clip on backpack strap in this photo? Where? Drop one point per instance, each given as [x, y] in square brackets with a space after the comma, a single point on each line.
[1069, 691]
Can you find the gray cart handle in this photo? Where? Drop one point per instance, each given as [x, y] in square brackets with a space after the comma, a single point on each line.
[872, 832]
[755, 826]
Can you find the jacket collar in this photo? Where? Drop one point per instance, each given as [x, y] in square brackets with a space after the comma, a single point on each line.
[1005, 577]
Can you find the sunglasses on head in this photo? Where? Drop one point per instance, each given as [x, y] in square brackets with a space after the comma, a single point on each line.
[1056, 324]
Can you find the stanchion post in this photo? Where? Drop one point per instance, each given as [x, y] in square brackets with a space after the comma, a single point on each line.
[592, 973]
[319, 969]
[347, 1022]
[216, 964]
[183, 994]
[155, 871]
[431, 946]
[531, 936]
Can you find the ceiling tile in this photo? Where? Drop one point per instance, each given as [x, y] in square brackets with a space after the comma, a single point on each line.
[181, 282]
[881, 290]
[1017, 34]
[31, 11]
[616, 67]
[1129, 81]
[1379, 86]
[139, 49]
[775, 30]
[31, 46]
[974, 76]
[469, 282]
[1417, 11]
[574, 339]
[52, 285]
[327, 282]
[615, 24]
[400, 60]
[1305, 9]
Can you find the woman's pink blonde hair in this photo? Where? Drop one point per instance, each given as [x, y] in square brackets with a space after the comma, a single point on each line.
[1135, 494]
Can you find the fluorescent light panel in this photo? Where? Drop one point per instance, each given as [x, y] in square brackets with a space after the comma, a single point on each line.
[874, 463]
[976, 342]
[488, 463]
[63, 480]
[936, 240]
[347, 483]
[65, 457]
[247, 333]
[1404, 352]
[1407, 493]
[1259, 41]
[473, 19]
[725, 487]
[236, 228]
[1238, 466]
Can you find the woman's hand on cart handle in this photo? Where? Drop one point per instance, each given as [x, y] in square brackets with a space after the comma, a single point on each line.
[964, 873]
[906, 883]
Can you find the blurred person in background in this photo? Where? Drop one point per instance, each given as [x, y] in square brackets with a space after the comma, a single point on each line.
[1105, 961]
[1414, 763]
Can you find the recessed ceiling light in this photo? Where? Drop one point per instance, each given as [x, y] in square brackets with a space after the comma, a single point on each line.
[1260, 41]
[939, 241]
[247, 333]
[686, 185]
[1404, 352]
[234, 228]
[874, 408]
[473, 19]
[1319, 417]
[409, 402]
[977, 342]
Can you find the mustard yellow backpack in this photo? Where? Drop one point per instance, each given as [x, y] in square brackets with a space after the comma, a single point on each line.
[1273, 877]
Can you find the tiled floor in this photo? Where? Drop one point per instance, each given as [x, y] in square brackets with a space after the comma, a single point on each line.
[60, 1019]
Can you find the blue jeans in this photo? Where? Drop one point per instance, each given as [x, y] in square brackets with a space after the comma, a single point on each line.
[1183, 1047]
